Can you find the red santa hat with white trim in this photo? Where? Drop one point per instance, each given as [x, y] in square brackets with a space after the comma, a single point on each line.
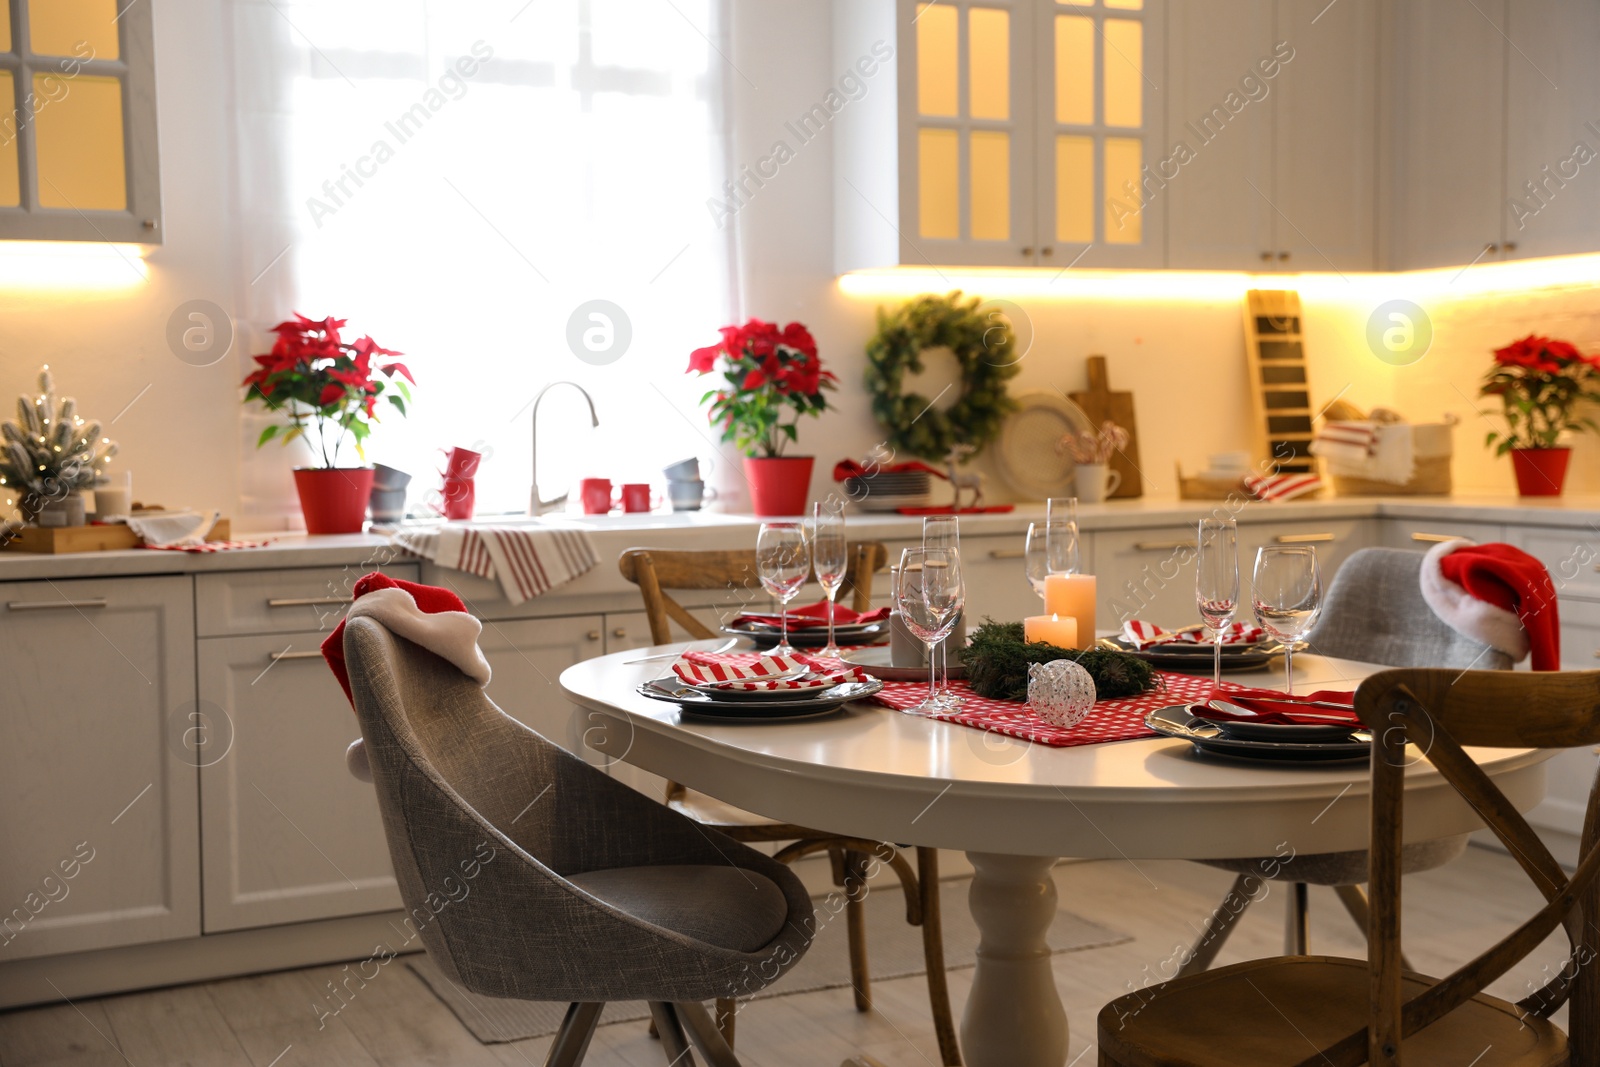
[1496, 594]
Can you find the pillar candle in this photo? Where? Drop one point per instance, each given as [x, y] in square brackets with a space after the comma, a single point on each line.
[1052, 630]
[1073, 594]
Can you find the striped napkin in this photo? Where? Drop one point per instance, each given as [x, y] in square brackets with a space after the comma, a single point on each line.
[1142, 634]
[525, 560]
[701, 668]
[1274, 488]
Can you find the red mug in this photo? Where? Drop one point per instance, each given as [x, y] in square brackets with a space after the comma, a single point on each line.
[460, 462]
[596, 495]
[460, 497]
[636, 496]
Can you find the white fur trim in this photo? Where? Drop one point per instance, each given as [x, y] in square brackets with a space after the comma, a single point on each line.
[450, 635]
[1466, 614]
[355, 760]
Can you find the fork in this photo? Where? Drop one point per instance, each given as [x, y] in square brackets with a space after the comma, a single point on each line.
[725, 646]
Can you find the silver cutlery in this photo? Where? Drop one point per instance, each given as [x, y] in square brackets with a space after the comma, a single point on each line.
[725, 646]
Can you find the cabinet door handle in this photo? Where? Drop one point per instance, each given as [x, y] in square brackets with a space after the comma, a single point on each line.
[276, 656]
[1282, 257]
[1433, 539]
[1017, 553]
[1304, 539]
[1266, 257]
[1161, 546]
[1027, 250]
[307, 601]
[1510, 246]
[46, 605]
[1047, 250]
[619, 632]
[593, 635]
[1490, 249]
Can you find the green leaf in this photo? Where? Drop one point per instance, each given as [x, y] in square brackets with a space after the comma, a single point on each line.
[397, 402]
[268, 434]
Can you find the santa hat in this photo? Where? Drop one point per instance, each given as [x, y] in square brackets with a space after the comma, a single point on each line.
[1497, 595]
[426, 615]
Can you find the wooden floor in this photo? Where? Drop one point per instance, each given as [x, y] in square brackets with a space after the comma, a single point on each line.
[395, 1021]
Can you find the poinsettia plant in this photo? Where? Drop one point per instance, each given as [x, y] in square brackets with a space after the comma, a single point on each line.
[1540, 382]
[318, 380]
[768, 372]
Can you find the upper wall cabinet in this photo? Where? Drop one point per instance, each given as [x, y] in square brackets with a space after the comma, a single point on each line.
[1272, 127]
[78, 142]
[1010, 133]
[1495, 155]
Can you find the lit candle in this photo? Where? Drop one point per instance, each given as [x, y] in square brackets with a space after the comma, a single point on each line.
[1052, 630]
[1072, 594]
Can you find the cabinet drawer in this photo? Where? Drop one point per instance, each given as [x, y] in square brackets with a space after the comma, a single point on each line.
[1333, 539]
[279, 602]
[1571, 555]
[1146, 574]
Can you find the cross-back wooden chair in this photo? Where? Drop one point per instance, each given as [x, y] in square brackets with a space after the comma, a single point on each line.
[655, 571]
[1351, 1012]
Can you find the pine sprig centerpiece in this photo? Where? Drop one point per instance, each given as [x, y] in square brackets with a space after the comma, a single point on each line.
[997, 660]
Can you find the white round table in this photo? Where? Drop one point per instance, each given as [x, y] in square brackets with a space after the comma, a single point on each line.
[1015, 807]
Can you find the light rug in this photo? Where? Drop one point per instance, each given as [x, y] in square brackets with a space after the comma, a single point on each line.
[894, 950]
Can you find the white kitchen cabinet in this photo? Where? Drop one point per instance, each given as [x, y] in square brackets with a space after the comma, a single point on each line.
[1145, 574]
[1334, 540]
[527, 657]
[288, 834]
[1423, 534]
[1552, 151]
[1449, 60]
[1017, 133]
[100, 844]
[284, 601]
[1272, 131]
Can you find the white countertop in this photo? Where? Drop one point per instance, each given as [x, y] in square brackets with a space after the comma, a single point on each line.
[717, 530]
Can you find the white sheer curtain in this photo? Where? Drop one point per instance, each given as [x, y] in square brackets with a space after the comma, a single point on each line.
[458, 177]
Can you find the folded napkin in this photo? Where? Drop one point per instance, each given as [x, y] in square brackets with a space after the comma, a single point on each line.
[1285, 710]
[1346, 442]
[849, 468]
[813, 615]
[525, 560]
[1273, 488]
[702, 668]
[173, 527]
[1142, 634]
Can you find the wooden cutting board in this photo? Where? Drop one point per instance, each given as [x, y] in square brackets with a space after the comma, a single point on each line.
[1099, 402]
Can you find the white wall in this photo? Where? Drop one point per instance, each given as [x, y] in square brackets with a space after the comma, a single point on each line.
[105, 337]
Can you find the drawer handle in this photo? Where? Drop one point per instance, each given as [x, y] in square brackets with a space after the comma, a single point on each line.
[1433, 539]
[308, 601]
[619, 632]
[276, 656]
[46, 605]
[1161, 546]
[1304, 539]
[1017, 553]
[593, 635]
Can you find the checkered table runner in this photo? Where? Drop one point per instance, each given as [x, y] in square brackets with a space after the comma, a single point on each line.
[1110, 720]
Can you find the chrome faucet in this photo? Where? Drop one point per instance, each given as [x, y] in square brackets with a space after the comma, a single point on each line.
[537, 505]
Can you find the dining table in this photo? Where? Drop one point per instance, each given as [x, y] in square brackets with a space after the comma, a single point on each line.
[1016, 807]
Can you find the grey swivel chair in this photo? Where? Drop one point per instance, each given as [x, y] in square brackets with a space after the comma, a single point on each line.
[534, 876]
[1373, 611]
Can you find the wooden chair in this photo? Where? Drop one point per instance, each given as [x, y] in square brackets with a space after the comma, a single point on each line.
[1346, 1012]
[655, 571]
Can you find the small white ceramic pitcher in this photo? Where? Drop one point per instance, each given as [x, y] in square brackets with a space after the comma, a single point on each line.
[1096, 481]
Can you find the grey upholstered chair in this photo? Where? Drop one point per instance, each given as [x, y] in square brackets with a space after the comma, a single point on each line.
[1374, 612]
[534, 876]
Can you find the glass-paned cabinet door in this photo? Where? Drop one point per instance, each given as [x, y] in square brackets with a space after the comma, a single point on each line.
[78, 134]
[966, 152]
[1099, 124]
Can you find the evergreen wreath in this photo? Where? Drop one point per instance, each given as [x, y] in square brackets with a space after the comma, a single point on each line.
[983, 345]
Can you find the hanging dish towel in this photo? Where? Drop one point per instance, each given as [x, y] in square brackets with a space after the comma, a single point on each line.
[525, 560]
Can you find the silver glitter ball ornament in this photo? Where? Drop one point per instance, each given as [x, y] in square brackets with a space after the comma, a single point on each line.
[1060, 691]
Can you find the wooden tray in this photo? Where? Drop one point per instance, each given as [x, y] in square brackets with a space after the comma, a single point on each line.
[59, 540]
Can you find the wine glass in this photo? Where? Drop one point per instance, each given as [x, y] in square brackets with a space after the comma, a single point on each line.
[1216, 583]
[829, 558]
[1287, 597]
[928, 595]
[782, 564]
[943, 531]
[1036, 557]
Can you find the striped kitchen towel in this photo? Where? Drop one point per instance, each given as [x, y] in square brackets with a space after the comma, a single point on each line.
[1346, 442]
[525, 560]
[1276, 488]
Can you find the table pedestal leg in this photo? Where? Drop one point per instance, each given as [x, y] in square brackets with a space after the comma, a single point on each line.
[1013, 1016]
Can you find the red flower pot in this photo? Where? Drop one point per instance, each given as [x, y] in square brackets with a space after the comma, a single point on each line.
[779, 485]
[334, 500]
[1540, 471]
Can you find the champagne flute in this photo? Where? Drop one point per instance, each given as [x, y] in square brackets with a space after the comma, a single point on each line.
[1061, 535]
[782, 564]
[1216, 583]
[1287, 597]
[943, 531]
[829, 559]
[1036, 557]
[928, 594]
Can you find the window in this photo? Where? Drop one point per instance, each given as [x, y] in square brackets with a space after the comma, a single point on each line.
[78, 145]
[468, 182]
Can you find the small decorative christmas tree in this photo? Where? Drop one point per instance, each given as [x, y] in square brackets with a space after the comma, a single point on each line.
[48, 452]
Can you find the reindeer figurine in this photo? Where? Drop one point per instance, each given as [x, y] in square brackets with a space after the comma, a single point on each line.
[972, 480]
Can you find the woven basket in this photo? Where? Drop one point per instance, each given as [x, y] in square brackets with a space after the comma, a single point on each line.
[1430, 478]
